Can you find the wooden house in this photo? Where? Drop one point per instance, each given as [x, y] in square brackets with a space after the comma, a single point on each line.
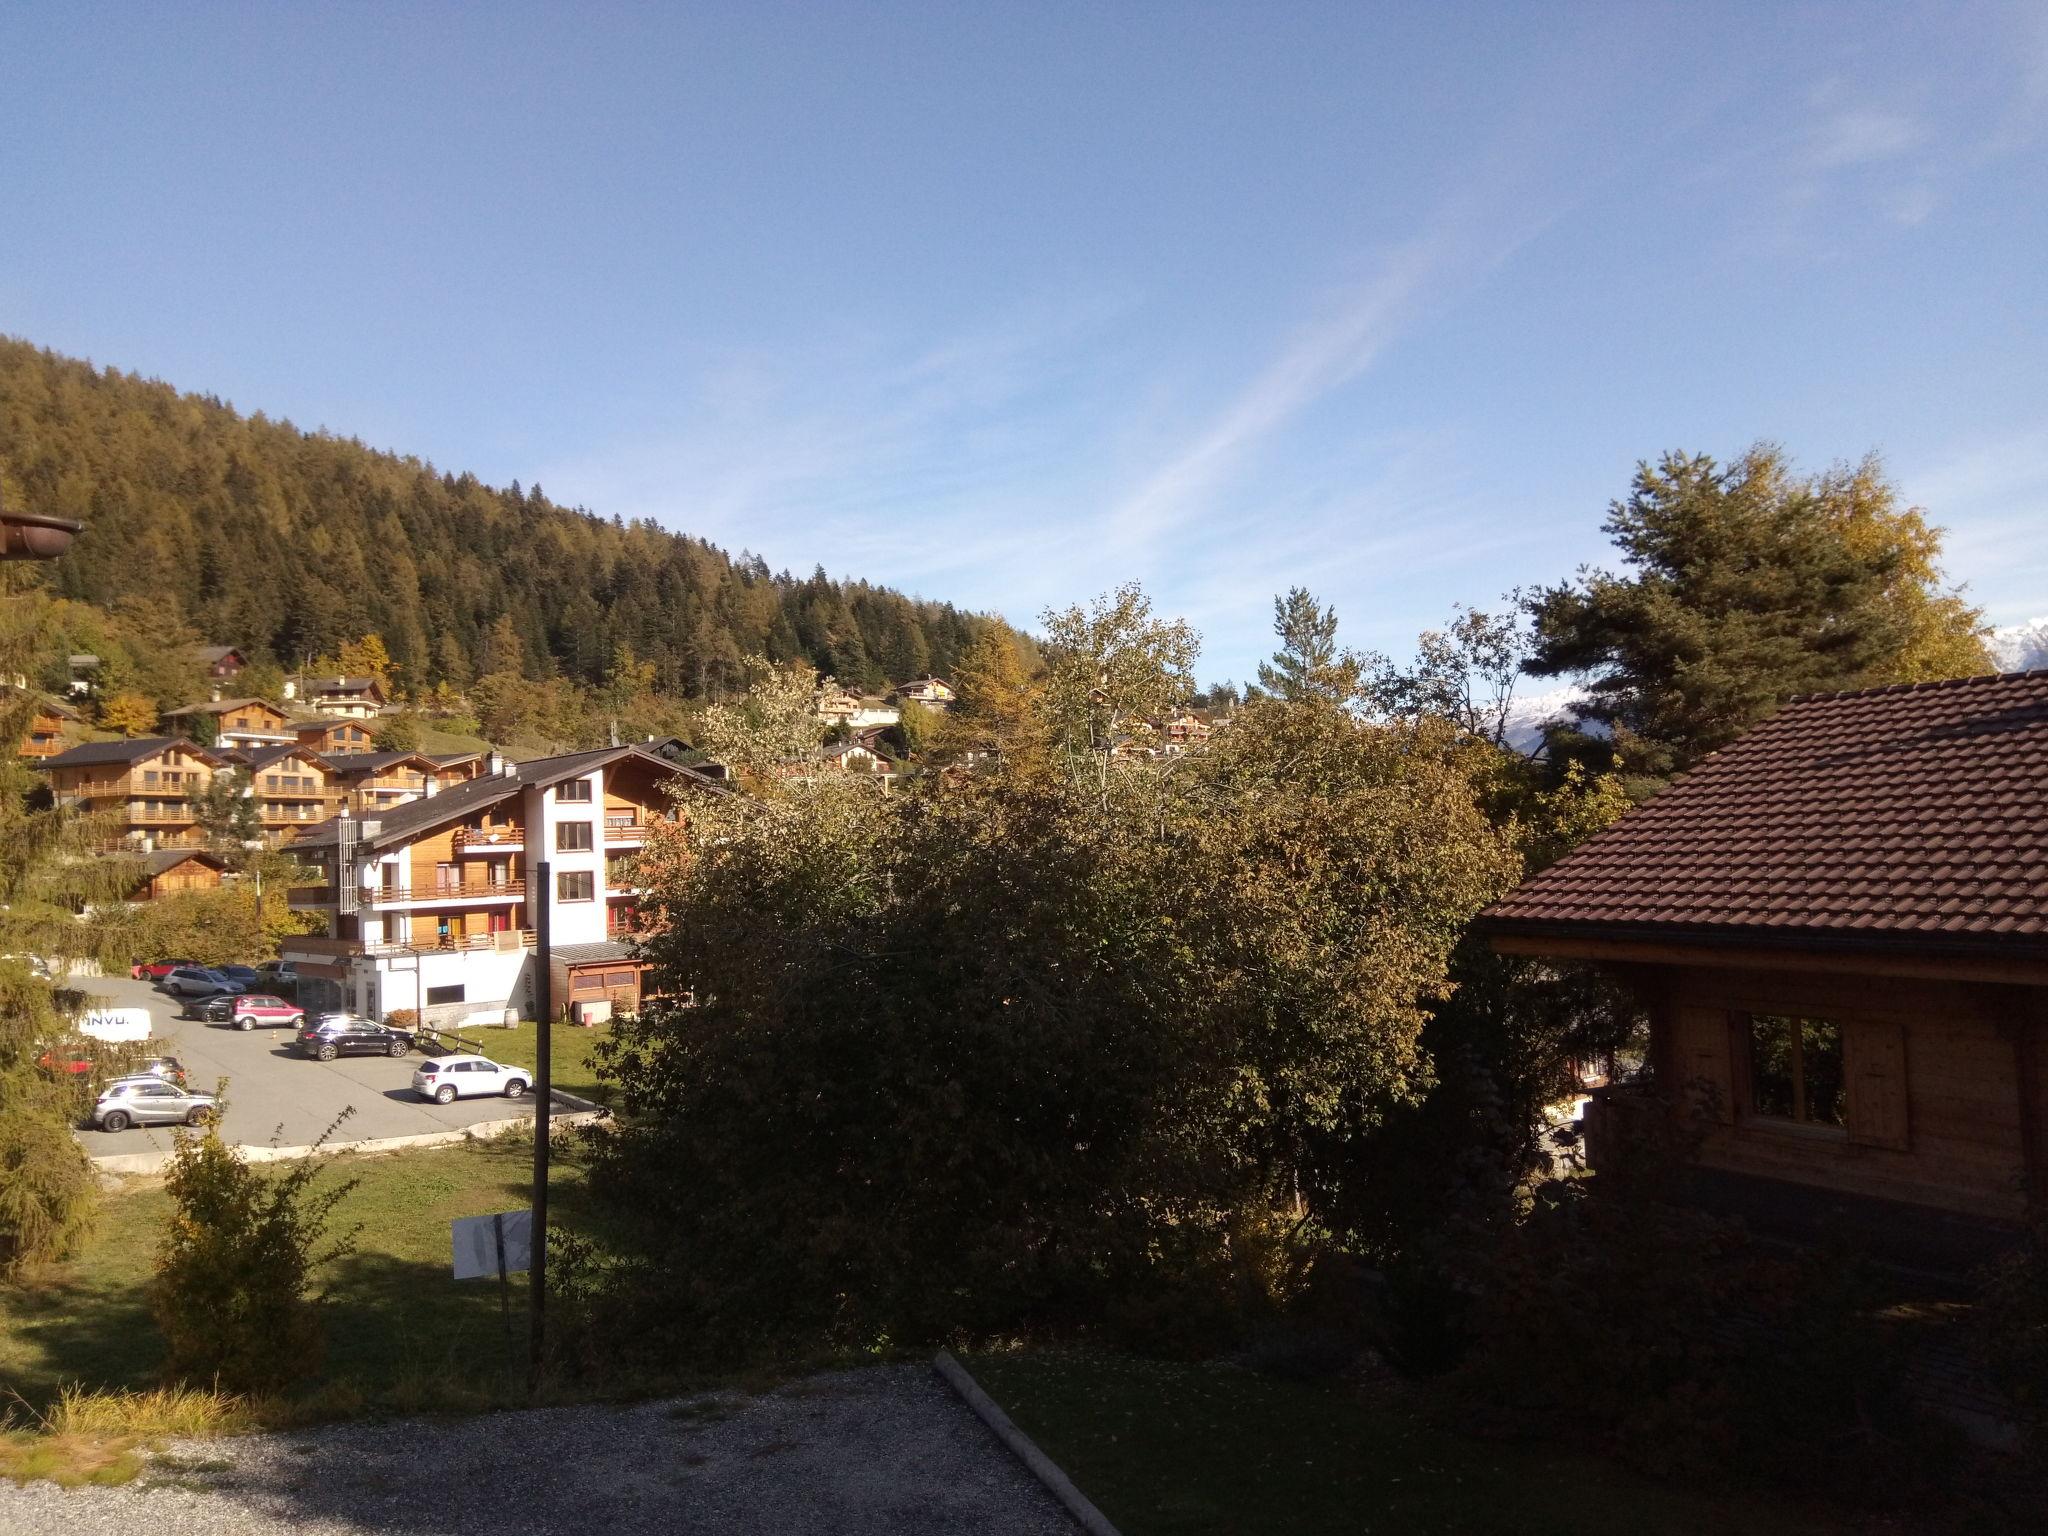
[1839, 929]
[147, 784]
[166, 871]
[349, 698]
[369, 782]
[44, 737]
[933, 692]
[295, 790]
[252, 724]
[221, 663]
[332, 738]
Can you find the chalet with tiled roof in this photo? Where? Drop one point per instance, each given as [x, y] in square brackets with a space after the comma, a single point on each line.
[1839, 927]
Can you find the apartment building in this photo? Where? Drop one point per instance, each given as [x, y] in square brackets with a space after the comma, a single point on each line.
[331, 738]
[294, 790]
[431, 904]
[148, 782]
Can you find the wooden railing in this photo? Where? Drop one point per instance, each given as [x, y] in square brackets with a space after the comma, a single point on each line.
[489, 840]
[450, 890]
[506, 939]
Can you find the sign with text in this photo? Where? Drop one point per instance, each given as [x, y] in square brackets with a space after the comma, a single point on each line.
[487, 1246]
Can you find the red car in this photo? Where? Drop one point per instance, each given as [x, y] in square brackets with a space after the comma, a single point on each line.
[247, 1011]
[66, 1061]
[156, 970]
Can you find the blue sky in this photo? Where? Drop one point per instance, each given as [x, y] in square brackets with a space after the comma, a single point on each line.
[1007, 303]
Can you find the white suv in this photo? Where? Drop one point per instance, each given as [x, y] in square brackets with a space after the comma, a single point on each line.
[447, 1078]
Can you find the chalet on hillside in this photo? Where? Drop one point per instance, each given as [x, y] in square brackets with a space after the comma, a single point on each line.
[44, 737]
[222, 663]
[146, 785]
[1839, 928]
[169, 870]
[933, 692]
[295, 789]
[332, 738]
[250, 723]
[348, 698]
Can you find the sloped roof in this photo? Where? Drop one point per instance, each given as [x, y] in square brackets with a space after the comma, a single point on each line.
[263, 757]
[131, 750]
[220, 707]
[342, 685]
[402, 823]
[1915, 816]
[209, 654]
[350, 764]
[157, 860]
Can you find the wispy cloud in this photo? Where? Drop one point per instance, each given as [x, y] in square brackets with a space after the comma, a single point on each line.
[1857, 135]
[1992, 498]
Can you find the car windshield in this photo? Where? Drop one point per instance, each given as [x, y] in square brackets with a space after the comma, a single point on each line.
[429, 1068]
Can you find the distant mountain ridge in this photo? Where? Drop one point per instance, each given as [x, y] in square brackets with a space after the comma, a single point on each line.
[2020, 647]
[245, 530]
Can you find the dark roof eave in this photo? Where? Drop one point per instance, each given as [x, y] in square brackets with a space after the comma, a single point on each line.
[1895, 941]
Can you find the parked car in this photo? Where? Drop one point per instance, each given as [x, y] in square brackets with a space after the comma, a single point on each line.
[65, 1060]
[344, 1034]
[169, 1068]
[246, 1011]
[200, 981]
[279, 975]
[447, 1078]
[149, 1100]
[247, 975]
[157, 970]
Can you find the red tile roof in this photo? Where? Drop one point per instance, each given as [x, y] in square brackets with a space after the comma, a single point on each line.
[1914, 815]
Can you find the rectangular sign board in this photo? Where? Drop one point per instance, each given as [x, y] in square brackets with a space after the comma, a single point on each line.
[477, 1240]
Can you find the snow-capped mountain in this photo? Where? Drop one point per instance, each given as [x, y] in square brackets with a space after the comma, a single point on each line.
[2018, 647]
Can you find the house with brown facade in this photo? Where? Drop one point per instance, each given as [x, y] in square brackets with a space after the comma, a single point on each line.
[294, 789]
[47, 727]
[249, 723]
[221, 663]
[1838, 927]
[349, 698]
[331, 738]
[166, 871]
[146, 783]
[433, 903]
[932, 692]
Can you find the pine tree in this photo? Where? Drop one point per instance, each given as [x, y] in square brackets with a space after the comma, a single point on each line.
[1309, 663]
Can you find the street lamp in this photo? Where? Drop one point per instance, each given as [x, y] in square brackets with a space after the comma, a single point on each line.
[35, 535]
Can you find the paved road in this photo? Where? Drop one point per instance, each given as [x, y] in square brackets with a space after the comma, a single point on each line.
[854, 1453]
[278, 1097]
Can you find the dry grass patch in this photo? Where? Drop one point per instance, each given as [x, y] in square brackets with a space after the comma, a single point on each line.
[100, 1437]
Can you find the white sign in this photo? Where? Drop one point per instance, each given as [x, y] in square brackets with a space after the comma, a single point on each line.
[478, 1240]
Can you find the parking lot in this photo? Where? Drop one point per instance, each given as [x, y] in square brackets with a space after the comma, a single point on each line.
[276, 1097]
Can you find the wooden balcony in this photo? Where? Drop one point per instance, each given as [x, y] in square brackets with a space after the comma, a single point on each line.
[404, 894]
[343, 949]
[489, 839]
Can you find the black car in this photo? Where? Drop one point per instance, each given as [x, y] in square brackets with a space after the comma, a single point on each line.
[343, 1034]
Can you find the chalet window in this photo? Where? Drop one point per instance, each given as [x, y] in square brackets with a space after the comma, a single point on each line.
[445, 995]
[575, 789]
[618, 978]
[572, 837]
[576, 885]
[1795, 1069]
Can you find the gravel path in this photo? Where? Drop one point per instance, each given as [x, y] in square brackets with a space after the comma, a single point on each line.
[888, 1449]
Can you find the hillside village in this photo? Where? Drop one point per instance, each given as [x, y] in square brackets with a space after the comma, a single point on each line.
[1256, 769]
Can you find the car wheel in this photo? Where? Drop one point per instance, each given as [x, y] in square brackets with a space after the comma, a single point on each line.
[399, 1048]
[445, 1094]
[198, 1114]
[117, 1120]
[245, 1022]
[295, 1022]
[326, 1053]
[516, 1088]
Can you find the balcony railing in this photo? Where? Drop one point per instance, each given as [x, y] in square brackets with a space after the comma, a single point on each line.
[489, 839]
[341, 949]
[449, 890]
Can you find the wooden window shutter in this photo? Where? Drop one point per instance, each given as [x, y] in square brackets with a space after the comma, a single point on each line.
[1874, 1061]
[1707, 1061]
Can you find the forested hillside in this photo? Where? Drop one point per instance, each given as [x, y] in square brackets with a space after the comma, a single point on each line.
[252, 532]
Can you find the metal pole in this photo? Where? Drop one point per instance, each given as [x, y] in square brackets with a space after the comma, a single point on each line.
[543, 1008]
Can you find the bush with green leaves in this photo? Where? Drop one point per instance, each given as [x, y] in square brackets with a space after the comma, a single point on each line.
[232, 1290]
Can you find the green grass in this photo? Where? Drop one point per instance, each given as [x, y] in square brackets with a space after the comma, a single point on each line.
[569, 1053]
[447, 743]
[1167, 1449]
[393, 1312]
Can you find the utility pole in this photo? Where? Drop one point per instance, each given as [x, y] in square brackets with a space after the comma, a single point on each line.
[543, 1092]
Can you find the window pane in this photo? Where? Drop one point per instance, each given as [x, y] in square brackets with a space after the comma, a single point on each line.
[1771, 1043]
[575, 885]
[1821, 1053]
[572, 836]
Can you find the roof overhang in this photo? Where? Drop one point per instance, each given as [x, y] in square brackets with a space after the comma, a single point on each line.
[1932, 957]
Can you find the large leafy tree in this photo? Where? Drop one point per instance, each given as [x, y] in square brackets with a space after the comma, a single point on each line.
[1747, 582]
[1031, 1043]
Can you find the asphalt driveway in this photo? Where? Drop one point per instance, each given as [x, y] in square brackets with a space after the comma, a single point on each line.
[277, 1097]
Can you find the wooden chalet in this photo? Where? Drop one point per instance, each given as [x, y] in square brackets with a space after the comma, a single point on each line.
[146, 783]
[166, 871]
[44, 737]
[350, 698]
[295, 789]
[332, 738]
[253, 724]
[221, 663]
[1839, 928]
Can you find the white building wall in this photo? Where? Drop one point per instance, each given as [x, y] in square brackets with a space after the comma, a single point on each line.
[574, 922]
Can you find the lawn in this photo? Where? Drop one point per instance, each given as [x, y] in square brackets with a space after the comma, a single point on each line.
[569, 1053]
[394, 1311]
[1169, 1449]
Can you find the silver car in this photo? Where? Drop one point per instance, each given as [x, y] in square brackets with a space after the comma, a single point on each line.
[145, 1100]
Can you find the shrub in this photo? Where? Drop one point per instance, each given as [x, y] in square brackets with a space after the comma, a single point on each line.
[402, 1018]
[230, 1292]
[47, 1195]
